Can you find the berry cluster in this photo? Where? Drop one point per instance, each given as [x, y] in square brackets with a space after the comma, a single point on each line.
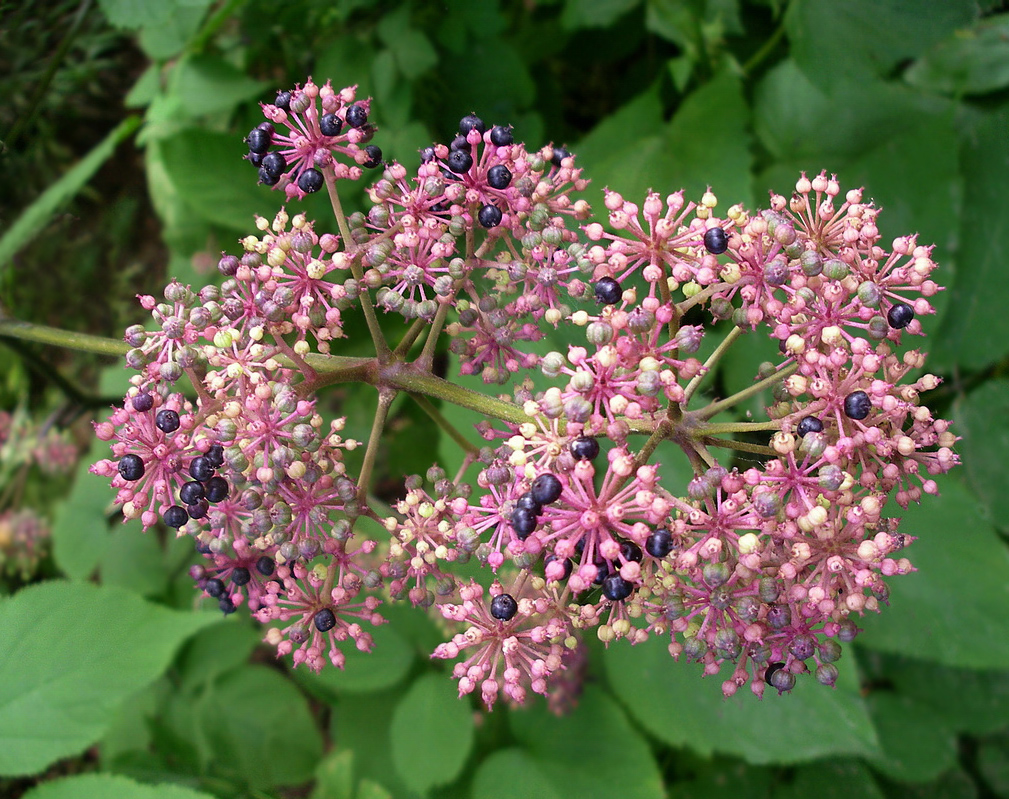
[760, 565]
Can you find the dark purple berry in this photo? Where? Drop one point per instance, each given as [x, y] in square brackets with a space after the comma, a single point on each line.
[585, 448]
[857, 405]
[191, 493]
[771, 669]
[527, 502]
[256, 159]
[283, 101]
[143, 402]
[608, 291]
[265, 565]
[214, 587]
[900, 315]
[490, 216]
[215, 455]
[459, 161]
[330, 125]
[460, 143]
[167, 421]
[523, 522]
[131, 467]
[616, 588]
[198, 510]
[546, 489]
[560, 153]
[427, 155]
[201, 469]
[630, 551]
[310, 181]
[357, 116]
[659, 544]
[259, 141]
[274, 164]
[503, 607]
[240, 575]
[325, 619]
[226, 605]
[374, 153]
[716, 241]
[267, 179]
[267, 126]
[216, 489]
[602, 572]
[471, 122]
[499, 176]
[783, 680]
[176, 516]
[808, 424]
[501, 135]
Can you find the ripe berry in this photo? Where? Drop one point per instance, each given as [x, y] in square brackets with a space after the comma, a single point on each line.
[503, 607]
[265, 565]
[783, 680]
[167, 421]
[357, 116]
[259, 141]
[471, 122]
[143, 402]
[460, 143]
[198, 510]
[608, 291]
[427, 155]
[659, 544]
[546, 489]
[240, 575]
[459, 161]
[274, 164]
[267, 179]
[771, 669]
[215, 455]
[490, 216]
[214, 587]
[585, 448]
[630, 551]
[310, 181]
[499, 176]
[226, 605]
[131, 467]
[374, 153]
[857, 405]
[501, 135]
[176, 516]
[527, 502]
[716, 241]
[616, 588]
[201, 469]
[191, 493]
[523, 523]
[900, 315]
[560, 153]
[216, 489]
[330, 125]
[325, 620]
[283, 100]
[808, 424]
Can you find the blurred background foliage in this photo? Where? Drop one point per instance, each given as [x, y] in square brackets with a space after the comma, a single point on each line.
[122, 167]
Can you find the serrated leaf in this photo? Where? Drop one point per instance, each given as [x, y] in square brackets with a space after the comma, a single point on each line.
[75, 651]
[683, 710]
[974, 60]
[982, 418]
[431, 733]
[110, 786]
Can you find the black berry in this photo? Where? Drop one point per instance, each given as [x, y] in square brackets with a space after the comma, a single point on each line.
[659, 544]
[608, 291]
[560, 153]
[325, 620]
[265, 565]
[630, 551]
[490, 216]
[226, 605]
[330, 125]
[900, 315]
[471, 122]
[167, 421]
[198, 510]
[427, 155]
[546, 489]
[215, 455]
[310, 181]
[459, 161]
[503, 607]
[783, 680]
[357, 116]
[499, 176]
[214, 587]
[176, 516]
[716, 241]
[808, 424]
[857, 405]
[259, 141]
[283, 100]
[131, 467]
[143, 402]
[191, 493]
[460, 143]
[374, 153]
[771, 669]
[267, 179]
[528, 502]
[215, 489]
[616, 588]
[274, 164]
[201, 468]
[585, 448]
[501, 135]
[523, 522]
[240, 575]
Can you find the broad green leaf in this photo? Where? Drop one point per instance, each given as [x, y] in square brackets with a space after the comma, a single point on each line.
[369, 789]
[915, 743]
[954, 784]
[259, 728]
[595, 13]
[596, 734]
[512, 774]
[334, 776]
[486, 63]
[832, 779]
[672, 701]
[208, 84]
[140, 561]
[386, 664]
[721, 778]
[216, 650]
[431, 733]
[135, 13]
[411, 48]
[80, 532]
[34, 219]
[982, 418]
[74, 652]
[971, 61]
[170, 36]
[110, 786]
[993, 763]
[953, 609]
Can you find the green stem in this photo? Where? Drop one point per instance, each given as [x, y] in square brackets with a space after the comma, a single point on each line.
[720, 350]
[427, 355]
[714, 408]
[436, 415]
[385, 399]
[411, 335]
[54, 336]
[737, 427]
[741, 446]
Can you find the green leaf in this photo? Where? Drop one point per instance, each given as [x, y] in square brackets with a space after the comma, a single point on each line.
[916, 744]
[597, 733]
[207, 84]
[34, 219]
[431, 733]
[953, 609]
[80, 532]
[170, 36]
[369, 789]
[993, 764]
[217, 650]
[833, 779]
[74, 652]
[413, 52]
[721, 778]
[135, 13]
[673, 702]
[386, 664]
[259, 728]
[513, 774]
[334, 776]
[982, 417]
[971, 61]
[110, 786]
[595, 13]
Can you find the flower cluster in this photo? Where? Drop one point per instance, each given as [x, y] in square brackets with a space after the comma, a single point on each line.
[562, 497]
